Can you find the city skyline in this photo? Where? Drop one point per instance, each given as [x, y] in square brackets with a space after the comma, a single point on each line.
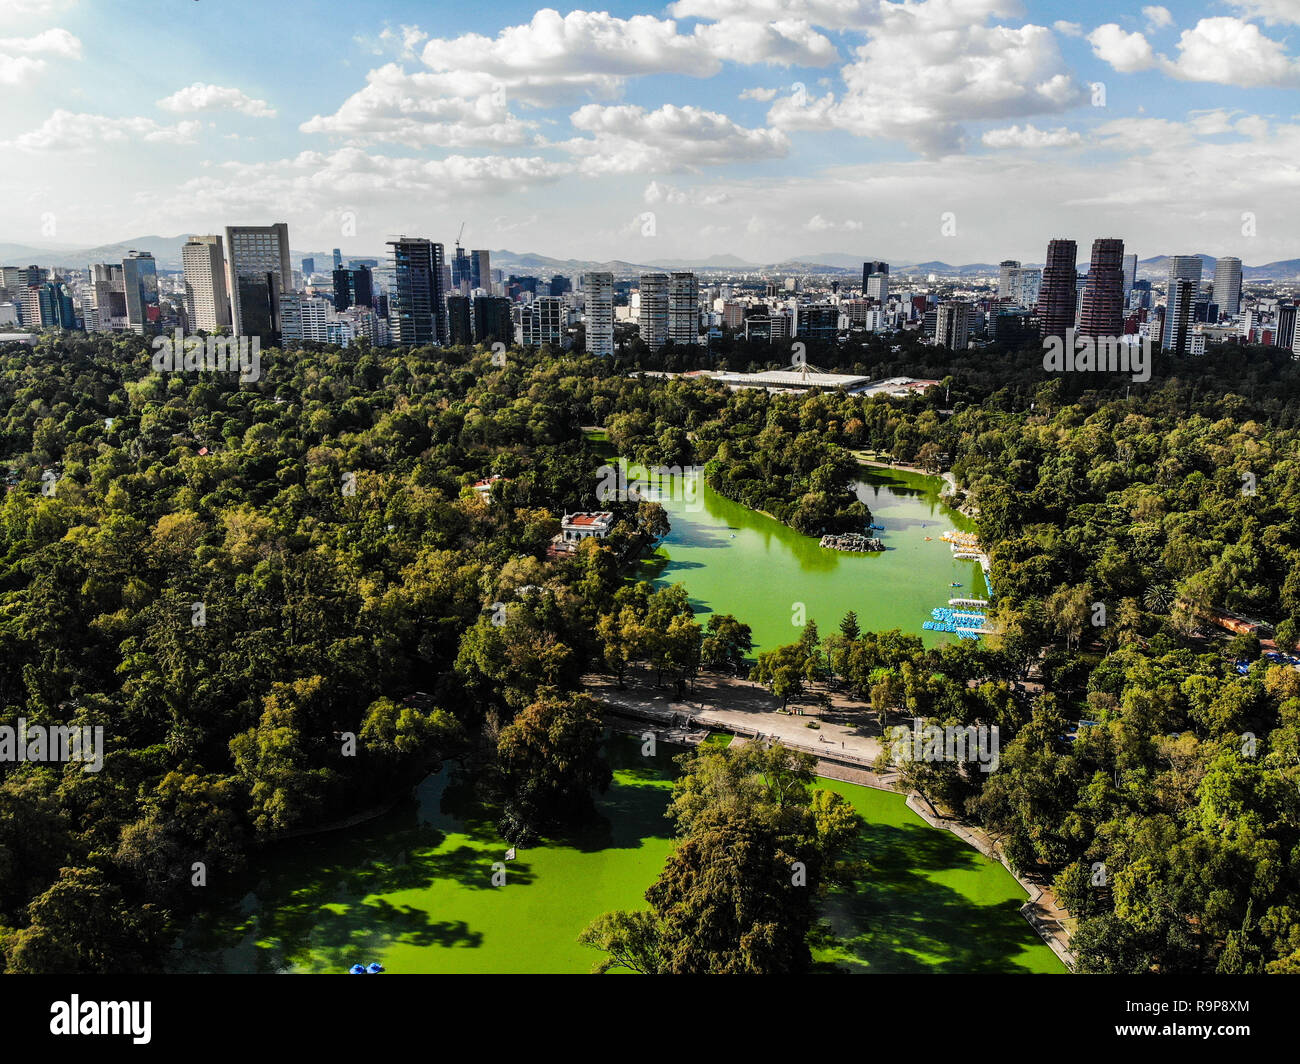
[679, 132]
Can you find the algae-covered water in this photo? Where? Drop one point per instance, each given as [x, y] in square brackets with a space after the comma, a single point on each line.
[735, 560]
[413, 890]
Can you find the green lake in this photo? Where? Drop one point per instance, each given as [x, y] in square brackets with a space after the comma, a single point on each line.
[734, 560]
[413, 890]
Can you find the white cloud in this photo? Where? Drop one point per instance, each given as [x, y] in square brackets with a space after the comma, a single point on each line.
[818, 224]
[405, 42]
[1271, 11]
[657, 192]
[928, 68]
[201, 97]
[785, 42]
[56, 42]
[588, 49]
[424, 110]
[1229, 51]
[1157, 18]
[19, 70]
[1126, 52]
[465, 96]
[1068, 29]
[627, 139]
[22, 58]
[1030, 136]
[1226, 51]
[857, 15]
[759, 94]
[66, 131]
[316, 183]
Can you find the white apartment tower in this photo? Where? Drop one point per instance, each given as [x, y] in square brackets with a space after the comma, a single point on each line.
[599, 291]
[1025, 285]
[207, 304]
[1005, 270]
[683, 309]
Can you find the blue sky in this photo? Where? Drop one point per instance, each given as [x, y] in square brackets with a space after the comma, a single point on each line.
[961, 130]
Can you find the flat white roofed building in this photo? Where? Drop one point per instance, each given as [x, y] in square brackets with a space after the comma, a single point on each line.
[792, 378]
[580, 526]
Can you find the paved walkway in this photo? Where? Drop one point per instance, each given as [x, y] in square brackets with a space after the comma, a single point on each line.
[846, 732]
[846, 744]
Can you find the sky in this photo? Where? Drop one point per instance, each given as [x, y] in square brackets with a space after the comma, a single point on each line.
[954, 130]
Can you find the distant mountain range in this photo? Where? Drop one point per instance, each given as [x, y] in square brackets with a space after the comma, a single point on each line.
[167, 251]
[1286, 270]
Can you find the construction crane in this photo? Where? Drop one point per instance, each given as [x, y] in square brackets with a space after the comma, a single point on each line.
[460, 234]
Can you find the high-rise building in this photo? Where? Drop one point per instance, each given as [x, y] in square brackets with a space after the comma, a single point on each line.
[952, 325]
[315, 312]
[1179, 300]
[461, 273]
[541, 321]
[459, 321]
[1130, 274]
[871, 269]
[559, 285]
[818, 322]
[1026, 283]
[257, 272]
[416, 310]
[1178, 320]
[308, 267]
[207, 304]
[140, 285]
[1058, 294]
[353, 288]
[683, 309]
[48, 305]
[878, 288]
[653, 318]
[492, 322]
[1102, 302]
[338, 259]
[599, 291]
[1227, 286]
[1286, 330]
[1006, 268]
[480, 270]
[109, 295]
